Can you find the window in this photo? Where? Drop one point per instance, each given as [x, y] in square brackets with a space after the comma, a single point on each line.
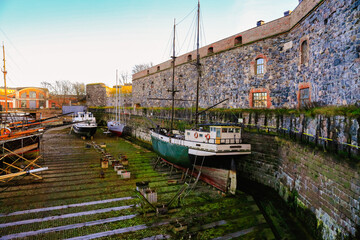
[32, 94]
[304, 52]
[188, 133]
[158, 68]
[304, 97]
[238, 40]
[237, 130]
[200, 135]
[224, 130]
[259, 67]
[259, 99]
[41, 104]
[189, 58]
[41, 96]
[23, 95]
[210, 50]
[231, 130]
[23, 104]
[148, 72]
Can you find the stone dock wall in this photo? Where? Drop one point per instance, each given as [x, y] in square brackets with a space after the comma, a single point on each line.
[328, 64]
[327, 186]
[294, 153]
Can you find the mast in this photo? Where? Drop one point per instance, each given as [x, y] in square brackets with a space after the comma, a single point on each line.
[5, 72]
[197, 66]
[173, 83]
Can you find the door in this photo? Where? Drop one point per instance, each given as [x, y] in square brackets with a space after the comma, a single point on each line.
[218, 135]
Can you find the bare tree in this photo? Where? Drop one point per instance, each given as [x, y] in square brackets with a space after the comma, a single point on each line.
[124, 77]
[79, 90]
[62, 89]
[140, 67]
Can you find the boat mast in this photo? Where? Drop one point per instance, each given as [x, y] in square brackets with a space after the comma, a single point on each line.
[173, 91]
[5, 72]
[116, 97]
[198, 65]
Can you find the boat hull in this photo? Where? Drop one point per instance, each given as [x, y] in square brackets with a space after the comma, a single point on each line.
[86, 131]
[174, 153]
[116, 128]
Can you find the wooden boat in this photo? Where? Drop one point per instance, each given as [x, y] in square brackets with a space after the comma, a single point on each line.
[84, 124]
[116, 126]
[212, 153]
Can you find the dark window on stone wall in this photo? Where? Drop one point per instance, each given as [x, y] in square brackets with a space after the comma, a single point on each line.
[304, 97]
[304, 52]
[238, 40]
[189, 58]
[259, 66]
[148, 72]
[210, 50]
[259, 99]
[158, 68]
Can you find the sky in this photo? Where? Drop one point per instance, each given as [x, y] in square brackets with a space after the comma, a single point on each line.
[87, 40]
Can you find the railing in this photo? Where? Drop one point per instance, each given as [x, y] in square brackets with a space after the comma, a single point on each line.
[220, 141]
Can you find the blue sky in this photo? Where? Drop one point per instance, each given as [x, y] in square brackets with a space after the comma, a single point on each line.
[87, 40]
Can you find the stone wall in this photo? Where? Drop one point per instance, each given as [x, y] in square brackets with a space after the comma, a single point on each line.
[96, 95]
[328, 187]
[331, 70]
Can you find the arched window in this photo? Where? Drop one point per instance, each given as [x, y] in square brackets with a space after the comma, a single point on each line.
[148, 71]
[238, 40]
[189, 58]
[158, 68]
[259, 66]
[304, 52]
[23, 95]
[210, 50]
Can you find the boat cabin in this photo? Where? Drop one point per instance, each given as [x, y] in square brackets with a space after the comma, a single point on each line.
[217, 135]
[84, 116]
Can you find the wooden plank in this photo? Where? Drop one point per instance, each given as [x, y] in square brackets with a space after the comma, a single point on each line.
[157, 237]
[67, 227]
[21, 150]
[78, 214]
[235, 234]
[36, 210]
[118, 231]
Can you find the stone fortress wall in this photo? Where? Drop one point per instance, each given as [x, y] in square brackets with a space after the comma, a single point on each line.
[315, 47]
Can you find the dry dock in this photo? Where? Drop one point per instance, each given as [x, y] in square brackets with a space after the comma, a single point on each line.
[75, 201]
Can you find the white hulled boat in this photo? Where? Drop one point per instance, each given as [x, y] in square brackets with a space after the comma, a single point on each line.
[84, 124]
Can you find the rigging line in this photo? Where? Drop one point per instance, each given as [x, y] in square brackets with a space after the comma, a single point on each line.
[13, 45]
[193, 33]
[167, 46]
[13, 61]
[187, 34]
[186, 16]
[202, 28]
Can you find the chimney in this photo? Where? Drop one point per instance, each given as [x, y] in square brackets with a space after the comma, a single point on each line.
[259, 23]
[287, 13]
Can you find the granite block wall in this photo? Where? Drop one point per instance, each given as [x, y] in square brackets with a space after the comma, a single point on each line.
[330, 71]
[328, 187]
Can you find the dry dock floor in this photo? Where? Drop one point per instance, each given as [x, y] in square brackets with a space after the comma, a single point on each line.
[74, 202]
